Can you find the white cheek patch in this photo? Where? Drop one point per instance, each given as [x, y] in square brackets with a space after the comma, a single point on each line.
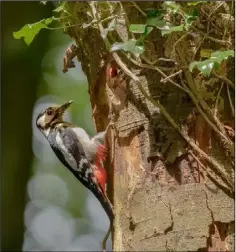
[68, 156]
[41, 121]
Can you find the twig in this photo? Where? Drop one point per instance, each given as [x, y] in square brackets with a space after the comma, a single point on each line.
[222, 42]
[206, 111]
[223, 78]
[177, 42]
[158, 69]
[208, 17]
[155, 61]
[217, 98]
[198, 47]
[139, 9]
[227, 25]
[206, 169]
[203, 114]
[171, 76]
[230, 101]
[127, 23]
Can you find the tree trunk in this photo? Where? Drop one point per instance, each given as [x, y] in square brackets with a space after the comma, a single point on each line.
[171, 161]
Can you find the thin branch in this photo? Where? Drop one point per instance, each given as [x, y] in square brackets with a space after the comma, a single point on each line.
[155, 61]
[217, 99]
[206, 169]
[198, 47]
[230, 101]
[171, 76]
[158, 69]
[206, 110]
[177, 42]
[222, 42]
[223, 78]
[139, 9]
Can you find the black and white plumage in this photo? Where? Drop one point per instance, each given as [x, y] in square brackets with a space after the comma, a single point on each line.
[74, 149]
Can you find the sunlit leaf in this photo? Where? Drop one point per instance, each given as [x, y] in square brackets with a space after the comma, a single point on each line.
[169, 29]
[156, 21]
[137, 28]
[195, 3]
[29, 31]
[60, 7]
[206, 66]
[130, 46]
[219, 56]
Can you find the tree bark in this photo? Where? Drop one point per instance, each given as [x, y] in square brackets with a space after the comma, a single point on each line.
[170, 177]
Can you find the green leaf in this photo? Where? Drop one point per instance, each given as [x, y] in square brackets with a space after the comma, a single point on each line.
[144, 35]
[43, 2]
[60, 7]
[206, 66]
[29, 31]
[130, 46]
[137, 28]
[195, 3]
[156, 21]
[154, 13]
[188, 19]
[169, 29]
[219, 56]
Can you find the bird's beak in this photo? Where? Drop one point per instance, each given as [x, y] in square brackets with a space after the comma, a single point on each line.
[64, 107]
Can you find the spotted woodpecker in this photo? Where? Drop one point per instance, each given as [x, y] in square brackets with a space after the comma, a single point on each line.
[81, 155]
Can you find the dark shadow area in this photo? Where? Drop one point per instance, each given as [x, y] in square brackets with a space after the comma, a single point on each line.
[21, 72]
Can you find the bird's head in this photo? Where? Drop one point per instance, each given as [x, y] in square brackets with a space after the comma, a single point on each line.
[50, 116]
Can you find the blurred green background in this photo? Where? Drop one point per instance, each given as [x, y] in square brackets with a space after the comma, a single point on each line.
[43, 207]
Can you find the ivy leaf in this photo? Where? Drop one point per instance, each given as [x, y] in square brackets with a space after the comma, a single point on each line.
[219, 56]
[144, 35]
[111, 27]
[188, 19]
[60, 8]
[195, 3]
[156, 21]
[206, 66]
[137, 28]
[29, 31]
[169, 29]
[128, 46]
[154, 13]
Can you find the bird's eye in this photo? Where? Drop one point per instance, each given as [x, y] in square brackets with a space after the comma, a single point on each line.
[49, 112]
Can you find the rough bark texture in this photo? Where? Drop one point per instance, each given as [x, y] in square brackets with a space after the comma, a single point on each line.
[166, 196]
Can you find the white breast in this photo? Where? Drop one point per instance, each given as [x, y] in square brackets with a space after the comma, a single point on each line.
[68, 156]
[90, 148]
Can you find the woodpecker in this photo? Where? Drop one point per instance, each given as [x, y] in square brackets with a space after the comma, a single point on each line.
[81, 155]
